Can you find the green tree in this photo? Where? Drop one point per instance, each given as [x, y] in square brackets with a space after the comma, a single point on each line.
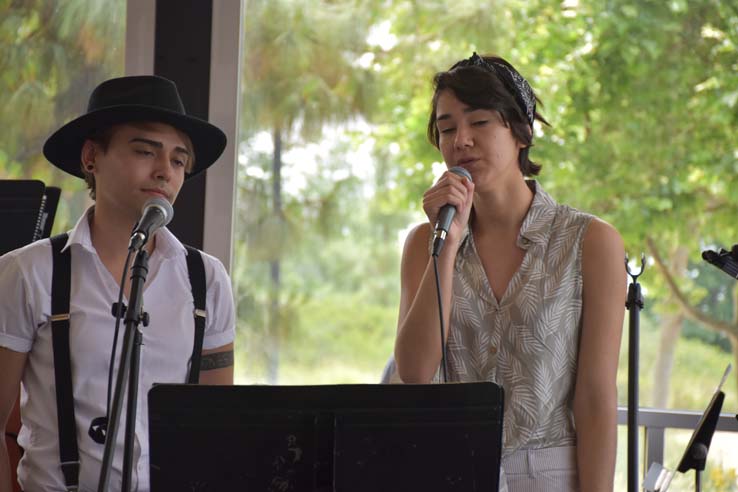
[51, 56]
[642, 100]
[650, 111]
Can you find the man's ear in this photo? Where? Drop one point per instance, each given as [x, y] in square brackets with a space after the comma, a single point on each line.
[88, 155]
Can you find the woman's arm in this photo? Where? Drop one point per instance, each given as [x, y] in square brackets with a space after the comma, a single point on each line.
[595, 393]
[418, 345]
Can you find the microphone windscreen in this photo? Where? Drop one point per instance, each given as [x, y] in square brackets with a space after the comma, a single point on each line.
[162, 204]
[710, 256]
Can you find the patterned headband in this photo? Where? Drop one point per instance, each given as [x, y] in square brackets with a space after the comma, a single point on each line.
[513, 81]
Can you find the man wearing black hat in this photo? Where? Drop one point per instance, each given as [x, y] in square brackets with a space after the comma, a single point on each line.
[134, 143]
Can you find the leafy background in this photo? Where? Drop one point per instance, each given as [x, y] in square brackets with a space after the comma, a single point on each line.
[332, 160]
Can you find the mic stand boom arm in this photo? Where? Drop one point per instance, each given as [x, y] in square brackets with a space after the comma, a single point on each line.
[128, 366]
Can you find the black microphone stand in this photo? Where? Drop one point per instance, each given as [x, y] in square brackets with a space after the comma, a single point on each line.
[128, 366]
[634, 304]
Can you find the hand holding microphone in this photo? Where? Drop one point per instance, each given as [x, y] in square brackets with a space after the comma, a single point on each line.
[156, 212]
[448, 211]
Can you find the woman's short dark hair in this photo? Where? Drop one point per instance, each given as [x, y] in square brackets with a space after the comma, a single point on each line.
[479, 87]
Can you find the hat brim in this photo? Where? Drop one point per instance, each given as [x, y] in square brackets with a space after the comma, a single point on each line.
[64, 147]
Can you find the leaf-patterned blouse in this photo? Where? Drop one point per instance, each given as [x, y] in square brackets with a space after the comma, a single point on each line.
[528, 341]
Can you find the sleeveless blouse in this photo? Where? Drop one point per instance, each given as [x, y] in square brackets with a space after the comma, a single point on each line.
[528, 341]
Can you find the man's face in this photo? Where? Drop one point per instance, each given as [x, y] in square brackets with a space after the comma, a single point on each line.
[143, 160]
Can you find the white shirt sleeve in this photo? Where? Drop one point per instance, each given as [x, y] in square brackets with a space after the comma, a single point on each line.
[220, 325]
[21, 311]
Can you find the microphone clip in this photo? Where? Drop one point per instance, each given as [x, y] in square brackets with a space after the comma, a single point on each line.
[138, 239]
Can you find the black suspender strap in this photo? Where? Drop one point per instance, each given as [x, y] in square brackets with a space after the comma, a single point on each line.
[60, 287]
[196, 270]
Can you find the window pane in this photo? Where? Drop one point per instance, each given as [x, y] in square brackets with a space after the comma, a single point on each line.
[334, 114]
[333, 162]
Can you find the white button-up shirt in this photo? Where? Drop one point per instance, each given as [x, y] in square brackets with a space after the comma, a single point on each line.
[25, 307]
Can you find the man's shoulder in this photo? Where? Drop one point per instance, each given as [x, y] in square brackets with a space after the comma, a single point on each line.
[34, 255]
[25, 280]
[213, 266]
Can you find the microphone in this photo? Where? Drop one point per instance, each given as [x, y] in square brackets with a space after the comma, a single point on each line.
[156, 212]
[446, 215]
[724, 260]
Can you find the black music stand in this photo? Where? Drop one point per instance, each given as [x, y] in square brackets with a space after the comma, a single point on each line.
[326, 438]
[27, 210]
[695, 456]
[48, 212]
[659, 478]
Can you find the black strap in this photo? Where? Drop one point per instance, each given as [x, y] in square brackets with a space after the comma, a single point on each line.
[60, 287]
[196, 270]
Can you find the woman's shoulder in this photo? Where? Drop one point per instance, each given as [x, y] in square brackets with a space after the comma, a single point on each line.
[568, 214]
[601, 235]
[418, 243]
[563, 216]
[419, 236]
[592, 226]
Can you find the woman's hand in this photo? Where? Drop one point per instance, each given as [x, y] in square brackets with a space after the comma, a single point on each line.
[450, 189]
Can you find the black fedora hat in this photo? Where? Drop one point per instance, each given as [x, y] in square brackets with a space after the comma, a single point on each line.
[133, 99]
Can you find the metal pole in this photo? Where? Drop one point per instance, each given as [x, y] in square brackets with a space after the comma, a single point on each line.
[634, 304]
[127, 369]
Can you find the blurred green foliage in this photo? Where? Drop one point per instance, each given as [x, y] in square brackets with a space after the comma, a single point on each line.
[642, 101]
[642, 97]
[52, 54]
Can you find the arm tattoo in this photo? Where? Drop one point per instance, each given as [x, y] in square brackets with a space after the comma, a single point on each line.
[216, 360]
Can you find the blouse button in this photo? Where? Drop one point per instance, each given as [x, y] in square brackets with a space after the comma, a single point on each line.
[493, 350]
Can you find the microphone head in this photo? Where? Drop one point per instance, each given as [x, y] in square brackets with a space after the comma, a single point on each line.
[163, 206]
[460, 171]
[709, 256]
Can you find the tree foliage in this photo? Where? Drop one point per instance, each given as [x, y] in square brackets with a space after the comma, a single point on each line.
[52, 54]
[642, 97]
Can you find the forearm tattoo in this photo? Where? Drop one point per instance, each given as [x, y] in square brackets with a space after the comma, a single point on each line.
[216, 360]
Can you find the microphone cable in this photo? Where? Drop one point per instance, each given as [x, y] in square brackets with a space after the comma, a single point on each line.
[443, 224]
[444, 370]
[99, 425]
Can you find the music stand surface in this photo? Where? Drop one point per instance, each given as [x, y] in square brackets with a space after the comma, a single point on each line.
[326, 438]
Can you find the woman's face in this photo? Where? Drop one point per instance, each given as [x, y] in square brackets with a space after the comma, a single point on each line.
[475, 139]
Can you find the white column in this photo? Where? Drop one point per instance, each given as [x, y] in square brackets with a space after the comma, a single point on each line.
[140, 25]
[225, 74]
